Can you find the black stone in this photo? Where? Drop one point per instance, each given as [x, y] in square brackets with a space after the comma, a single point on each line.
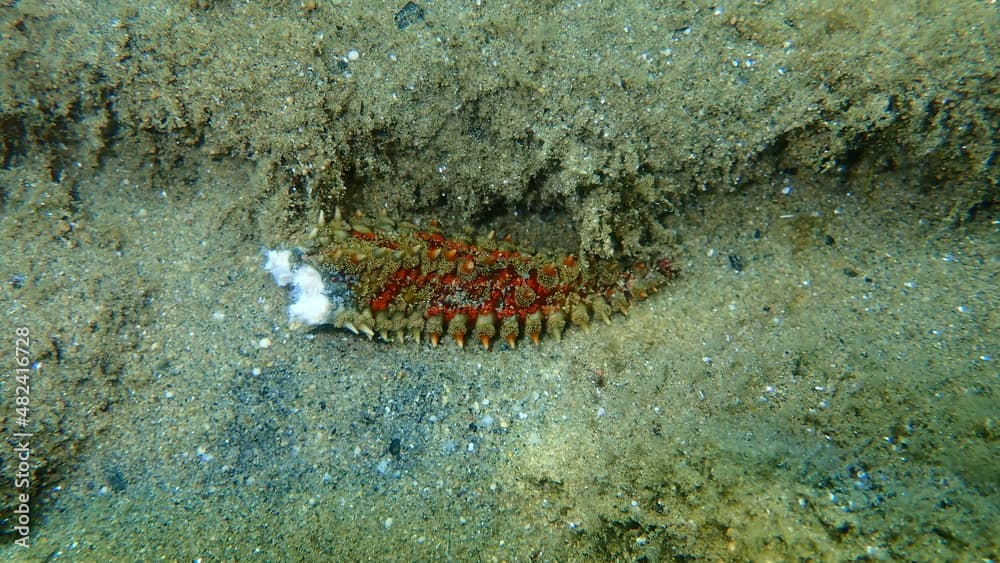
[116, 479]
[408, 15]
[736, 262]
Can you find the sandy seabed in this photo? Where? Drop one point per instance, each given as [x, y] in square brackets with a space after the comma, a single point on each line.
[816, 384]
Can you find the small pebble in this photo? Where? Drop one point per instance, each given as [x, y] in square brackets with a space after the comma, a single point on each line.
[736, 262]
[408, 15]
